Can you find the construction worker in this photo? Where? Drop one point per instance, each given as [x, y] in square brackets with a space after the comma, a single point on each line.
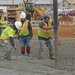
[2, 24]
[8, 37]
[44, 35]
[25, 34]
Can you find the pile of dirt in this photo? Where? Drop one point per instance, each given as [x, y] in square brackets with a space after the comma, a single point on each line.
[65, 19]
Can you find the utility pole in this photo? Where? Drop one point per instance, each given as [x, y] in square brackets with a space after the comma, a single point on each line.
[55, 17]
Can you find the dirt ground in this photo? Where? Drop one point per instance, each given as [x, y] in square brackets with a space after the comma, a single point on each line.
[63, 31]
[23, 65]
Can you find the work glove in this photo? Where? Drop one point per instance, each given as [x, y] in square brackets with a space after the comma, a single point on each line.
[30, 37]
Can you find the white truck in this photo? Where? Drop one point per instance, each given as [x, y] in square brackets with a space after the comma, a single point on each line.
[63, 11]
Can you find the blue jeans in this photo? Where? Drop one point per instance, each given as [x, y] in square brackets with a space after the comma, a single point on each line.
[44, 43]
[25, 41]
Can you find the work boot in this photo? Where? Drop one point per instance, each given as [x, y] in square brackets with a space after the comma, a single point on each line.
[7, 55]
[28, 53]
[51, 55]
[23, 52]
[39, 54]
[8, 58]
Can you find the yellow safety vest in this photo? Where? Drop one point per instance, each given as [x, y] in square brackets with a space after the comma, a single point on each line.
[8, 32]
[45, 33]
[2, 20]
[24, 30]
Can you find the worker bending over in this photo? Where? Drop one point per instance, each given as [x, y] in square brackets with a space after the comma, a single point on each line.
[8, 37]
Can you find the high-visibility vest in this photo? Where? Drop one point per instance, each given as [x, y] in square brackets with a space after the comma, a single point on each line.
[7, 32]
[2, 20]
[24, 30]
[45, 33]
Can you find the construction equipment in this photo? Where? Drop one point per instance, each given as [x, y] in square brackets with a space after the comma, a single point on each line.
[35, 13]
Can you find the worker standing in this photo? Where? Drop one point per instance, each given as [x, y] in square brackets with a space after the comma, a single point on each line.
[25, 34]
[2, 24]
[44, 35]
[8, 37]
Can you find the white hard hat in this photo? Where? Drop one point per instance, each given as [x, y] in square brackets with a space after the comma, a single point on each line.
[23, 15]
[18, 24]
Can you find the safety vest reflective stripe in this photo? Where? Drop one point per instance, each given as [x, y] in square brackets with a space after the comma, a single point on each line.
[7, 32]
[24, 30]
[45, 33]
